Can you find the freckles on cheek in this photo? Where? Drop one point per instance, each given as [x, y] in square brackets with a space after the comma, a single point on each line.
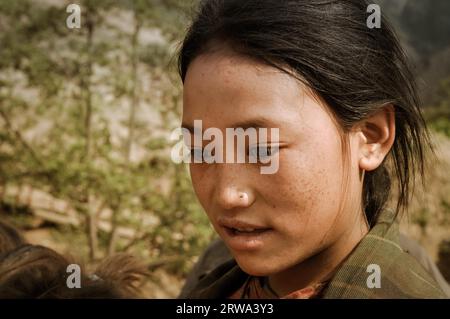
[292, 192]
[305, 190]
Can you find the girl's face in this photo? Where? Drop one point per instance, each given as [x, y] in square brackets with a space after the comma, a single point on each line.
[286, 217]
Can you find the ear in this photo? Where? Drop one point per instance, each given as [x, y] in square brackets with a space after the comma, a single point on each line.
[376, 136]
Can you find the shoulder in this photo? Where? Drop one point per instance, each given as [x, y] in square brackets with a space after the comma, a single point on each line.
[219, 283]
[380, 268]
[215, 255]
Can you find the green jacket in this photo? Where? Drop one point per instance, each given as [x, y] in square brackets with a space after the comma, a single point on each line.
[401, 275]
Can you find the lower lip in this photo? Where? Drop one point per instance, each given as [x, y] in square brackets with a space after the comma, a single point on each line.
[246, 241]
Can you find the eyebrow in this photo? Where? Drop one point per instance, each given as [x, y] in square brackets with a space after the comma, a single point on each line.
[257, 122]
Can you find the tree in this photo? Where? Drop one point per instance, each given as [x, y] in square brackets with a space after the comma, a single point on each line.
[81, 111]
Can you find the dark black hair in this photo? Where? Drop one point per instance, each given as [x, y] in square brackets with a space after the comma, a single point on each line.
[354, 69]
[10, 238]
[33, 271]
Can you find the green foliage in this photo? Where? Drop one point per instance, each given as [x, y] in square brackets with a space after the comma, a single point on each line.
[438, 117]
[421, 219]
[70, 103]
[442, 125]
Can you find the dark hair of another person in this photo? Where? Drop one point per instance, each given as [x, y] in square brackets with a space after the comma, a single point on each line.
[327, 44]
[32, 271]
[10, 238]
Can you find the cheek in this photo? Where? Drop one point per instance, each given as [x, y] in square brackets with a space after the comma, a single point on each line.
[308, 188]
[200, 183]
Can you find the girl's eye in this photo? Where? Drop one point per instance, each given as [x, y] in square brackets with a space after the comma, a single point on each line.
[261, 152]
[196, 155]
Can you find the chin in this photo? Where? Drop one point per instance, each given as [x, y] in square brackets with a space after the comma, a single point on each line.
[256, 267]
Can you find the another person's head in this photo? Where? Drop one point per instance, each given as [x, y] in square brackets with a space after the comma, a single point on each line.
[344, 100]
[32, 271]
[10, 238]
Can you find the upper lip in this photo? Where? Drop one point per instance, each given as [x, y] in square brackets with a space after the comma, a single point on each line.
[239, 224]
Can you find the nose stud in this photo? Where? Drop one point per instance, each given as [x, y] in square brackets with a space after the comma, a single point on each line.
[243, 197]
[231, 198]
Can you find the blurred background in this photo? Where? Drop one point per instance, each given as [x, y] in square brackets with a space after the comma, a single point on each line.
[85, 120]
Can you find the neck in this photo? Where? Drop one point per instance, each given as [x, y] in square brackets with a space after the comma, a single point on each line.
[321, 266]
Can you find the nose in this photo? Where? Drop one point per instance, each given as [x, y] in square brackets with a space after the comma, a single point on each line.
[233, 190]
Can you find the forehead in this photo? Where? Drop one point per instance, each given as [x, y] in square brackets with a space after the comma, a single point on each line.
[224, 88]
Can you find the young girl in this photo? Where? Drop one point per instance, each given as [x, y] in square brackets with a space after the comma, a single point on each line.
[344, 101]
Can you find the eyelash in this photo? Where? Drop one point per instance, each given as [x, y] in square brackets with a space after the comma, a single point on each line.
[265, 151]
[195, 154]
[258, 152]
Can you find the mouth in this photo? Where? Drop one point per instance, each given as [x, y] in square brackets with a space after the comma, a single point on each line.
[242, 235]
[246, 231]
